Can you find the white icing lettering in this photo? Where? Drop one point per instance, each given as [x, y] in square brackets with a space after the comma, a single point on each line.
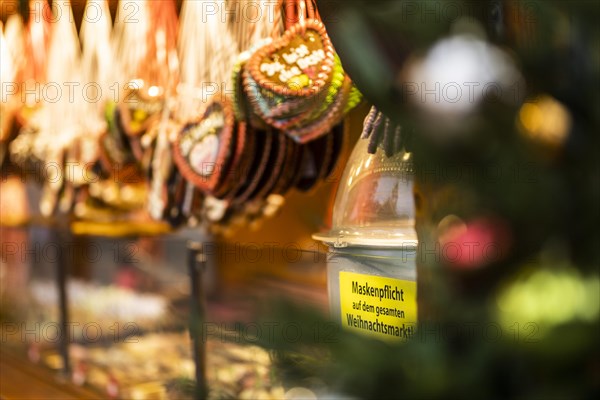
[314, 58]
[284, 76]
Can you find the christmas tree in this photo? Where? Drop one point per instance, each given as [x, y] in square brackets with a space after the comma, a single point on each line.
[499, 103]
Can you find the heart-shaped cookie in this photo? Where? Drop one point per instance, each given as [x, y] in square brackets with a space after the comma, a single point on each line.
[239, 161]
[298, 64]
[203, 149]
[115, 150]
[292, 164]
[249, 148]
[278, 112]
[140, 106]
[316, 164]
[266, 148]
[275, 167]
[326, 121]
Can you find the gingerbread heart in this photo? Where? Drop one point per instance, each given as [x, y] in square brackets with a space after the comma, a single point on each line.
[276, 167]
[238, 163]
[298, 64]
[203, 149]
[266, 150]
[115, 148]
[277, 112]
[139, 108]
[292, 165]
[326, 121]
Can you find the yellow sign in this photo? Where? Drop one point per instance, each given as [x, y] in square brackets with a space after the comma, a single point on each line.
[385, 308]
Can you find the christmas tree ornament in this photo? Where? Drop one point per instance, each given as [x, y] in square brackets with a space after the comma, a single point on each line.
[545, 121]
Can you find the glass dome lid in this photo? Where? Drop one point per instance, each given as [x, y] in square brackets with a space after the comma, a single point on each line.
[374, 204]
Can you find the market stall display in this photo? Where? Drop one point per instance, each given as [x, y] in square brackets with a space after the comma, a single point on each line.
[460, 255]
